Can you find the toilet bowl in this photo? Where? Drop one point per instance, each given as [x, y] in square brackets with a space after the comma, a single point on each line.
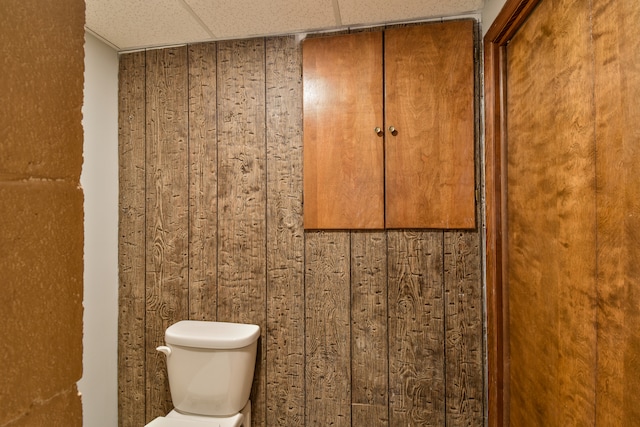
[210, 368]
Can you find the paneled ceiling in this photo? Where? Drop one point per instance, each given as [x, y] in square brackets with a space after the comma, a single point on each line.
[136, 24]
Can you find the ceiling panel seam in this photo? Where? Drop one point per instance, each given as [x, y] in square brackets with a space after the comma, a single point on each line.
[195, 16]
[336, 13]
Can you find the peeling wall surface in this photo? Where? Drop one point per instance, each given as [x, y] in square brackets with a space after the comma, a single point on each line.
[41, 212]
[99, 181]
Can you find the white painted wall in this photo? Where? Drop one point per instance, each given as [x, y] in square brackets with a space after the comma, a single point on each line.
[489, 13]
[99, 180]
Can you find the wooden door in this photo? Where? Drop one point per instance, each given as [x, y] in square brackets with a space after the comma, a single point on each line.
[343, 155]
[551, 218]
[562, 84]
[429, 101]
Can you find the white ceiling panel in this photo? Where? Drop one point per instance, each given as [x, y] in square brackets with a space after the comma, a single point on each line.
[367, 12]
[129, 24]
[135, 24]
[228, 19]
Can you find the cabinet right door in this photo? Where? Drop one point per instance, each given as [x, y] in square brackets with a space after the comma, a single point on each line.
[429, 101]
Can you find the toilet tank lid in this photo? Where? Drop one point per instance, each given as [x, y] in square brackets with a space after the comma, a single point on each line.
[202, 334]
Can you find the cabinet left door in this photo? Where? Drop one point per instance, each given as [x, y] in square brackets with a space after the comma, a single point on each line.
[343, 154]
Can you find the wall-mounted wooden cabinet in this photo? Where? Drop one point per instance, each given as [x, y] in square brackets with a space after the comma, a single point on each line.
[389, 128]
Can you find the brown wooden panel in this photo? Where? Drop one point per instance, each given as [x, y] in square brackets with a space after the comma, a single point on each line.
[203, 167]
[327, 333]
[131, 253]
[255, 190]
[429, 99]
[416, 329]
[463, 333]
[369, 346]
[551, 218]
[343, 156]
[285, 236]
[617, 91]
[167, 219]
[242, 196]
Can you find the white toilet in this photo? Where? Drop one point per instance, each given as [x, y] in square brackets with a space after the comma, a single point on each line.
[210, 367]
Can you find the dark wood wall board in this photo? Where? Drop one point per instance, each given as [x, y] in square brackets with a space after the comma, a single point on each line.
[285, 329]
[464, 329]
[327, 331]
[242, 195]
[369, 329]
[203, 182]
[166, 211]
[416, 328]
[132, 239]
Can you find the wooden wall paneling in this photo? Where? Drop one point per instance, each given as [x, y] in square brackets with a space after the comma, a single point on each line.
[285, 236]
[464, 329]
[166, 212]
[416, 328]
[203, 168]
[242, 196]
[369, 346]
[323, 344]
[327, 331]
[617, 90]
[132, 243]
[551, 218]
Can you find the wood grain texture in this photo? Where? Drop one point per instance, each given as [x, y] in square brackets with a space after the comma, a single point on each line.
[327, 331]
[167, 219]
[285, 235]
[617, 90]
[320, 298]
[132, 243]
[203, 174]
[416, 329]
[242, 196]
[429, 99]
[343, 156]
[551, 218]
[369, 314]
[463, 329]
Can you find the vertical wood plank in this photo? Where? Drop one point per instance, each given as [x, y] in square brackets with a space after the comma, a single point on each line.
[369, 347]
[131, 253]
[203, 198]
[242, 196]
[285, 236]
[416, 328]
[166, 211]
[617, 90]
[327, 338]
[463, 321]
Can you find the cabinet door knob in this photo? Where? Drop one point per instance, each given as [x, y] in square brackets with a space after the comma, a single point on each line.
[393, 130]
[378, 131]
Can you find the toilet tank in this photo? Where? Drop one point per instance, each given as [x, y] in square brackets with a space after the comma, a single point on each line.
[210, 366]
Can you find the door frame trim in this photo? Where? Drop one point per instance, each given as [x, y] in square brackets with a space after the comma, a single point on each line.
[513, 14]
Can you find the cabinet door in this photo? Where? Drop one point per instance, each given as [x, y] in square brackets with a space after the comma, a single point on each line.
[343, 156]
[429, 95]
